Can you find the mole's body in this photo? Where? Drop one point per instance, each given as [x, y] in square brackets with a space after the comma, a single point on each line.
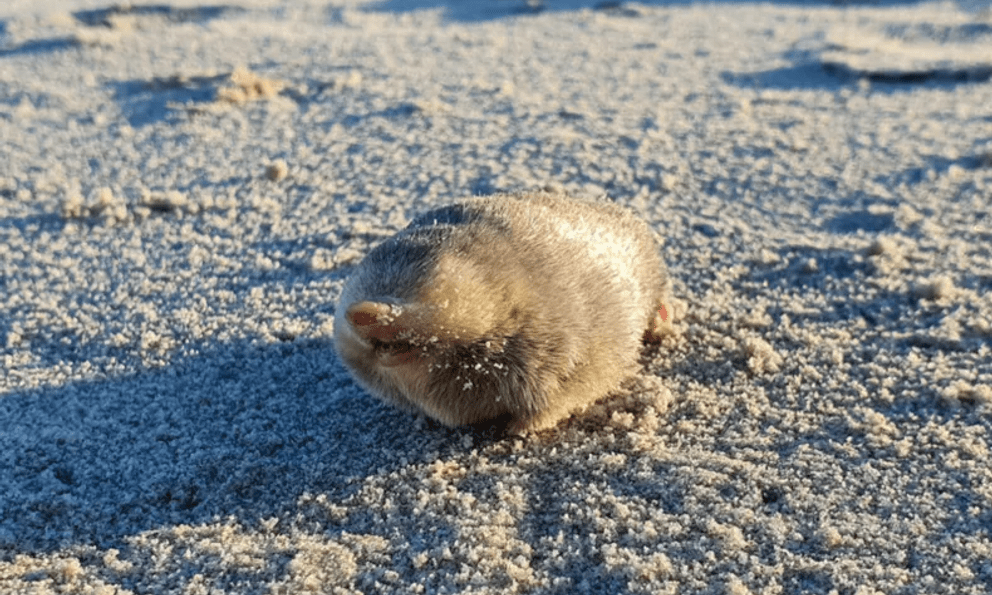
[524, 307]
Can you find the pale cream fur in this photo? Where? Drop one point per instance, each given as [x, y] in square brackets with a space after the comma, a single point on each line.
[523, 306]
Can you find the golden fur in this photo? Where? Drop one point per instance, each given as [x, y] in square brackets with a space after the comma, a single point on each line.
[530, 306]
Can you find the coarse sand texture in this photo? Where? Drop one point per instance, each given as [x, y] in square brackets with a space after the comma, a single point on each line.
[186, 187]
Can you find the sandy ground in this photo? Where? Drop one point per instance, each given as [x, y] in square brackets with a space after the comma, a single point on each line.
[183, 189]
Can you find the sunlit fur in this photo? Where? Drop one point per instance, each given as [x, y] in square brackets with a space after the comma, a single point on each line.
[529, 305]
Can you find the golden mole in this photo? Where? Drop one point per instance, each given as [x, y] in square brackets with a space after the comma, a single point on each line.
[526, 307]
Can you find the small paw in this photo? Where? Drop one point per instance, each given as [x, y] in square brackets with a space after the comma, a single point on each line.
[662, 324]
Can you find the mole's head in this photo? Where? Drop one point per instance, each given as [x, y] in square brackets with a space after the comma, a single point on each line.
[394, 337]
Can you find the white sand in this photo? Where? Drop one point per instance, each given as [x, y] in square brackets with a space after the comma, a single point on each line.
[172, 242]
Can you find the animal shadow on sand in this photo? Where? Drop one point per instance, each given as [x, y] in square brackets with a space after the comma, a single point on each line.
[237, 431]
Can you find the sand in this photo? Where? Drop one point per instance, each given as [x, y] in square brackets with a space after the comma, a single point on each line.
[184, 188]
